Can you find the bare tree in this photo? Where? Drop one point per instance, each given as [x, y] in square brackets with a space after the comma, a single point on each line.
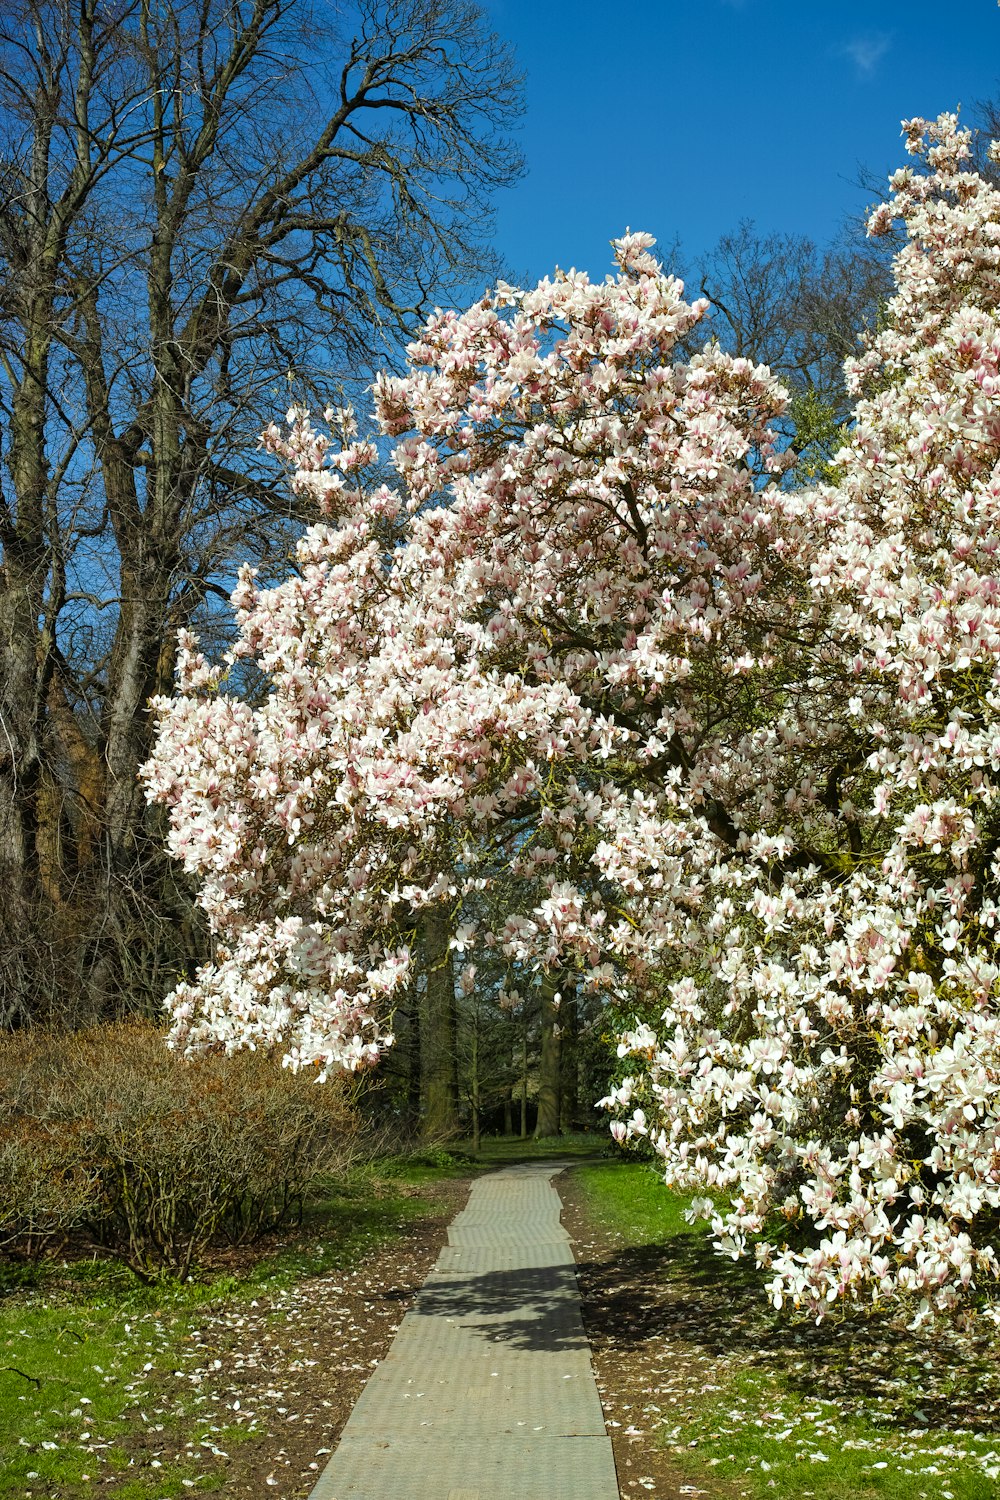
[780, 301]
[204, 205]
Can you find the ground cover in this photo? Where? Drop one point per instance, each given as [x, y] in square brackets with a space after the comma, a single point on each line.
[238, 1382]
[708, 1391]
[505, 1150]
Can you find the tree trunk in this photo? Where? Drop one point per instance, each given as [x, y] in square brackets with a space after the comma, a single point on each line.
[413, 1051]
[30, 596]
[22, 965]
[549, 1082]
[474, 1085]
[438, 1028]
[130, 925]
[569, 1093]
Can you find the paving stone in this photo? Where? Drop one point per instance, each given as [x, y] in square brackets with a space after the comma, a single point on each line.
[530, 1468]
[487, 1392]
[478, 1258]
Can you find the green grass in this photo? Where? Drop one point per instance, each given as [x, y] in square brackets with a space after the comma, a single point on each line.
[504, 1150]
[629, 1198]
[84, 1343]
[752, 1404]
[425, 1164]
[85, 1360]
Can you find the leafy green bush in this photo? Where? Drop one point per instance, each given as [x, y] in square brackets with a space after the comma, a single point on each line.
[153, 1155]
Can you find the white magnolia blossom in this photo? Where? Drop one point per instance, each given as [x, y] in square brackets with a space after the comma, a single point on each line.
[731, 748]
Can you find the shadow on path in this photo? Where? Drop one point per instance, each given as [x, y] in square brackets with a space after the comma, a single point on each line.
[535, 1308]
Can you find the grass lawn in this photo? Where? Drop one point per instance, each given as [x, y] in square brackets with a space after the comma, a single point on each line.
[501, 1151]
[751, 1404]
[86, 1350]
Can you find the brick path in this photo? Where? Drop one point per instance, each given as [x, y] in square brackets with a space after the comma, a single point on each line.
[487, 1392]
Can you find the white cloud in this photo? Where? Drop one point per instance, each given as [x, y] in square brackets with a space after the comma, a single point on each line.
[866, 52]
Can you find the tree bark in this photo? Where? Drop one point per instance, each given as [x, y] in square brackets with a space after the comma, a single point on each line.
[32, 578]
[414, 1049]
[569, 1079]
[438, 1027]
[549, 1066]
[474, 1086]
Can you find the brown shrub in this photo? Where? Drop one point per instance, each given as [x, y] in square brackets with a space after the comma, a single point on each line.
[46, 1187]
[157, 1155]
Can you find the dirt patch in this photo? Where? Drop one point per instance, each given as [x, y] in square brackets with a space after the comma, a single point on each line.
[646, 1377]
[269, 1385]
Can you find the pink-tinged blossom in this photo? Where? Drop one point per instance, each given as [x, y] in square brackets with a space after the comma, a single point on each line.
[747, 734]
[574, 517]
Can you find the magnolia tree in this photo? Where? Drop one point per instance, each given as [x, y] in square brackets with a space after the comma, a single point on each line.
[828, 1070]
[730, 744]
[484, 660]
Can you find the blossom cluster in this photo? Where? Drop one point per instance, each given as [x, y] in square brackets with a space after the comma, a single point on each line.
[826, 1078]
[732, 744]
[459, 649]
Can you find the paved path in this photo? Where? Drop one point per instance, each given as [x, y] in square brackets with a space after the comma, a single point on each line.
[487, 1392]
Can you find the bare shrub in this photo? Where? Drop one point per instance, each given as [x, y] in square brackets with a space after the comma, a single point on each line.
[46, 1187]
[157, 1156]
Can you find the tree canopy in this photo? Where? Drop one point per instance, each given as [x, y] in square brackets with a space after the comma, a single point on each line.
[731, 741]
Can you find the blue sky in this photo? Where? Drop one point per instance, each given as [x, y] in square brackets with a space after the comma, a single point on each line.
[682, 117]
